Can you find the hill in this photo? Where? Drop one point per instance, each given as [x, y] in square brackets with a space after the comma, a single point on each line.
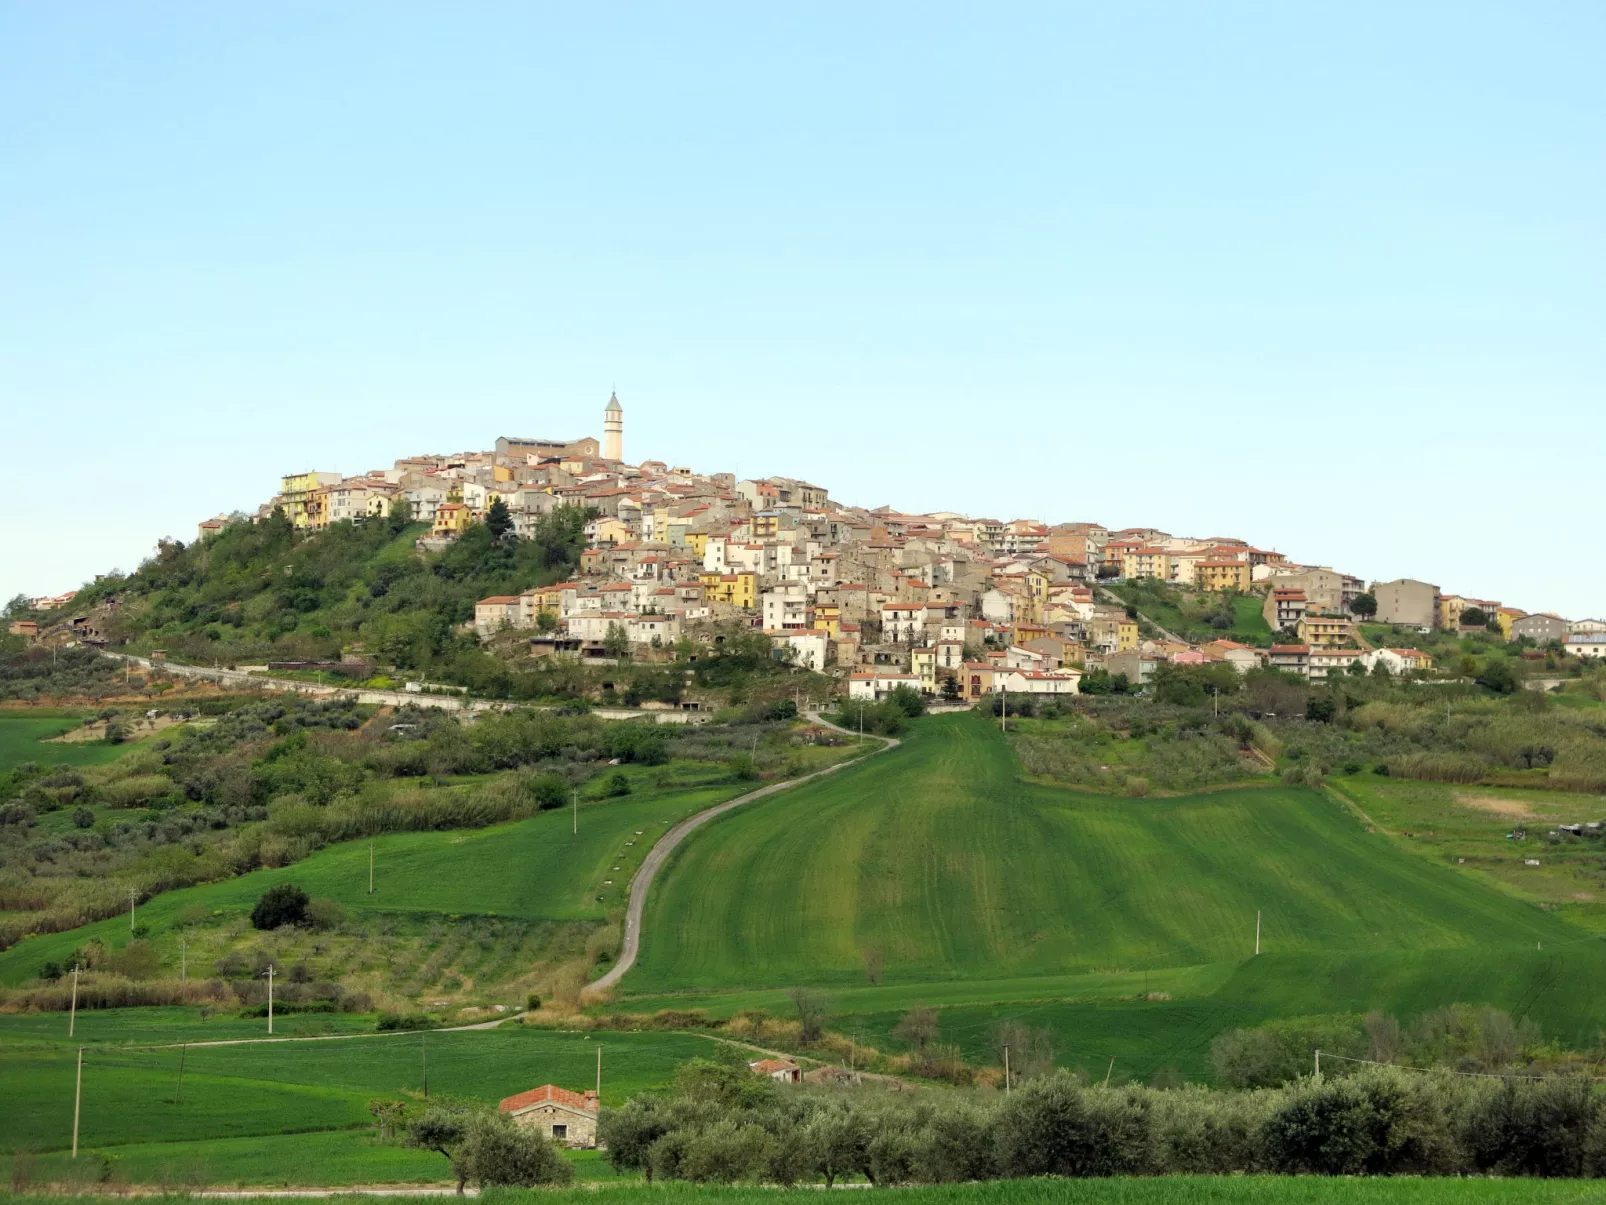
[1125, 926]
[264, 591]
[940, 859]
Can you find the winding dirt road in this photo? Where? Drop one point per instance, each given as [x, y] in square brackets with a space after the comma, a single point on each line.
[641, 885]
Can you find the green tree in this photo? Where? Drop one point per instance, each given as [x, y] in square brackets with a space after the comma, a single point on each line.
[442, 1131]
[950, 689]
[1497, 675]
[497, 520]
[907, 700]
[281, 904]
[1364, 606]
[401, 512]
[1474, 617]
[496, 1152]
[546, 621]
[616, 643]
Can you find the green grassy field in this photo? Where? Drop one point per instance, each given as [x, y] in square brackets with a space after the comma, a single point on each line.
[939, 857]
[1126, 926]
[1156, 1190]
[1469, 827]
[257, 1087]
[25, 737]
[534, 869]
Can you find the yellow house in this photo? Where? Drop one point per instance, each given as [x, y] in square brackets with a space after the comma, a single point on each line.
[923, 662]
[737, 589]
[1331, 631]
[613, 531]
[828, 619]
[765, 525]
[1126, 637]
[696, 541]
[298, 497]
[501, 472]
[451, 520]
[1504, 617]
[1221, 575]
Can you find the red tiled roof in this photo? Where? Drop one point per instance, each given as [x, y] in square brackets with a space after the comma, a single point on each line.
[551, 1093]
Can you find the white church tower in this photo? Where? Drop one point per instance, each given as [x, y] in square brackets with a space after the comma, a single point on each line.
[613, 430]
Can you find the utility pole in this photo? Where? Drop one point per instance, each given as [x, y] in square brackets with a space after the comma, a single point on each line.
[72, 1017]
[1318, 1066]
[1107, 1071]
[1003, 716]
[133, 897]
[1006, 1070]
[270, 997]
[77, 1101]
[423, 1048]
[575, 795]
[370, 868]
[599, 1075]
[1257, 931]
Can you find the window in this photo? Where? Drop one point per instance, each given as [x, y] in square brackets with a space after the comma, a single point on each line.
[560, 1131]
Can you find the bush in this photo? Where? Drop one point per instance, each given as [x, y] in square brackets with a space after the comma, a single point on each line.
[497, 1152]
[82, 817]
[616, 784]
[282, 904]
[1373, 1123]
[325, 915]
[1055, 1127]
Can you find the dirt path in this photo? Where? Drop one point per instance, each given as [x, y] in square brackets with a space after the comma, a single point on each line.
[642, 883]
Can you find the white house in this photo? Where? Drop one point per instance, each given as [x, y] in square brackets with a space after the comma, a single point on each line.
[1586, 646]
[998, 607]
[808, 645]
[875, 685]
[786, 607]
[1038, 682]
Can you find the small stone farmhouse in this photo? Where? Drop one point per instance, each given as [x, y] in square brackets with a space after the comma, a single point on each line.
[783, 1070]
[561, 1115]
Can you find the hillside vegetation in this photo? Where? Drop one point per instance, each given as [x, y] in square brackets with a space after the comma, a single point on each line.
[264, 591]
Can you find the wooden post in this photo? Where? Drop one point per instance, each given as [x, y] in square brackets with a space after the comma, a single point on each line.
[1257, 931]
[77, 1102]
[1107, 1071]
[1006, 1070]
[270, 997]
[599, 1075]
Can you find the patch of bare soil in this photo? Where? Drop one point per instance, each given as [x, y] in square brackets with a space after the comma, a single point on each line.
[1516, 809]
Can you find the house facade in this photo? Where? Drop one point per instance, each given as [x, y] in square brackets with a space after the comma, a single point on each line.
[557, 1113]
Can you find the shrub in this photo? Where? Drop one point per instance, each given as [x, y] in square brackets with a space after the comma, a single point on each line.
[324, 914]
[82, 817]
[1373, 1123]
[282, 904]
[616, 784]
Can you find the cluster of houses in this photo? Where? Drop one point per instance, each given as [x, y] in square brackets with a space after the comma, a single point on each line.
[942, 602]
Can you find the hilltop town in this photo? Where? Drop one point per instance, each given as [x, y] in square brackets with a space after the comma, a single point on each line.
[953, 606]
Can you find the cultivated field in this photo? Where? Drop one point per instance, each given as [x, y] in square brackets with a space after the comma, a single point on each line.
[1125, 925]
[308, 1099]
[531, 870]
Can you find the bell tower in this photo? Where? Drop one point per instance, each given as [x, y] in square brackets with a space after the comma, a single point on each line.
[613, 430]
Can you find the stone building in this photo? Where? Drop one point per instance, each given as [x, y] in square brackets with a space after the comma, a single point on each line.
[561, 1115]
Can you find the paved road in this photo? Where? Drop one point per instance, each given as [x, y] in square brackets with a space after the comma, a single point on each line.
[642, 883]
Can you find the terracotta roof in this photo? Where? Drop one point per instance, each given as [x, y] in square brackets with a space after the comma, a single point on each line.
[498, 599]
[551, 1094]
[1290, 648]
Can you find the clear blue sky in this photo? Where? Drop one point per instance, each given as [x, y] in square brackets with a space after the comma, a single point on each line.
[1327, 277]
